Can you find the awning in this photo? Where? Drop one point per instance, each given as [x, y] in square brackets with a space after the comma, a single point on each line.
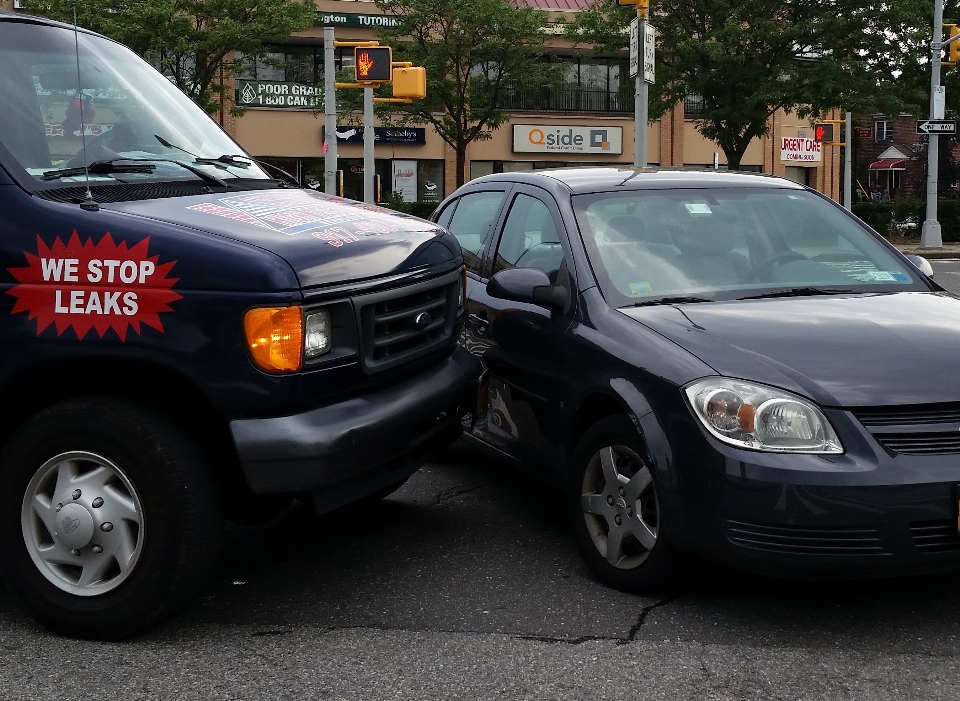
[889, 164]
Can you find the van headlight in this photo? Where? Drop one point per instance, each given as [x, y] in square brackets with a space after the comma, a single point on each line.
[316, 334]
[757, 417]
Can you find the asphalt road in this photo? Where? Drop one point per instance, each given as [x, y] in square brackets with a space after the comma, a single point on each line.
[465, 585]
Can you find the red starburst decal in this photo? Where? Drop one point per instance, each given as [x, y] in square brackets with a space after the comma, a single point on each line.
[94, 286]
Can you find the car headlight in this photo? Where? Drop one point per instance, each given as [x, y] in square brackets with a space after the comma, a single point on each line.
[317, 337]
[757, 417]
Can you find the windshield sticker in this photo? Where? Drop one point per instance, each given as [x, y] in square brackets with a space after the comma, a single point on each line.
[698, 208]
[900, 277]
[638, 289]
[94, 286]
[307, 212]
[882, 276]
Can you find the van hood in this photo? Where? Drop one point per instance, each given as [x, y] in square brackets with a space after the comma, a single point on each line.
[324, 239]
[841, 351]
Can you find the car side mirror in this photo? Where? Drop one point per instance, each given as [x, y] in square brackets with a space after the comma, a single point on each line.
[528, 285]
[922, 264]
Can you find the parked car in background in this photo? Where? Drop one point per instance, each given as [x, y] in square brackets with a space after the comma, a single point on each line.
[183, 336]
[714, 363]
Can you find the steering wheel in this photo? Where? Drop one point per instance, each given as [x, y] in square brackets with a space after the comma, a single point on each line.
[776, 259]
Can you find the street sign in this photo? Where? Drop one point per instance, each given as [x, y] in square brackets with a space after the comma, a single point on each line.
[936, 126]
[634, 47]
[649, 42]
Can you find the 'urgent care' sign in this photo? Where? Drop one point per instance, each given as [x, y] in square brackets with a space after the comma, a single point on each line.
[796, 149]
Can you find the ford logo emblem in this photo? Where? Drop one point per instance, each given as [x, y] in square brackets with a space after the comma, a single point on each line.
[70, 525]
[422, 321]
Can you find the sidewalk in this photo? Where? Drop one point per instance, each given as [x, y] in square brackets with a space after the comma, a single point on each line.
[911, 245]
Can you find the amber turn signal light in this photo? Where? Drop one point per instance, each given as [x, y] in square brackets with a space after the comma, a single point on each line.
[275, 337]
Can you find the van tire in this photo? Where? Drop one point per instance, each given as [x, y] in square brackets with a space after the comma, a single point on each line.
[125, 458]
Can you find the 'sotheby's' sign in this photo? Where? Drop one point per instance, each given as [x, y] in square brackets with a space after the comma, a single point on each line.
[94, 286]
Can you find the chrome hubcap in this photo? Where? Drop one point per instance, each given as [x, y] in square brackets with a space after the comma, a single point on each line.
[82, 523]
[620, 506]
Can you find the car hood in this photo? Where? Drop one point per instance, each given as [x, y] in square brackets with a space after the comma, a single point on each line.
[845, 351]
[324, 239]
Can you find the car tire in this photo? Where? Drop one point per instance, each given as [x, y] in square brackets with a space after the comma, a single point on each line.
[110, 520]
[629, 517]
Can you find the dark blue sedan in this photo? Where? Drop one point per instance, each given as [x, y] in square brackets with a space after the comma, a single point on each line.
[722, 364]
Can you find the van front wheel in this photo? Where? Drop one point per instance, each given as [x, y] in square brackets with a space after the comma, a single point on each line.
[109, 518]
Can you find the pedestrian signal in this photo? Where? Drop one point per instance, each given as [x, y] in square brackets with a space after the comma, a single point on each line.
[373, 64]
[410, 82]
[823, 133]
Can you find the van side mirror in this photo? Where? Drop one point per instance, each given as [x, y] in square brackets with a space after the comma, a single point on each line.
[528, 285]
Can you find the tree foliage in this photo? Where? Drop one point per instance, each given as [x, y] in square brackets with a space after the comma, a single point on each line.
[194, 42]
[747, 59]
[476, 54]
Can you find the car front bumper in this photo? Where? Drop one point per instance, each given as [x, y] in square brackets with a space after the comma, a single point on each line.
[363, 443]
[869, 511]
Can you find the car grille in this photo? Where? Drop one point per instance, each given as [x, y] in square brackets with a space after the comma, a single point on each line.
[389, 328]
[806, 540]
[918, 429]
[935, 536]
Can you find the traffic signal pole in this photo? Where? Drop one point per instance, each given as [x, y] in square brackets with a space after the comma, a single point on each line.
[930, 236]
[329, 113]
[368, 139]
[641, 100]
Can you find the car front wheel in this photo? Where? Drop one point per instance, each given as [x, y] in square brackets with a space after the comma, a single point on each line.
[621, 530]
[109, 519]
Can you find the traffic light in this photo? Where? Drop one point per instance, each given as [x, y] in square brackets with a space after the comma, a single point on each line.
[410, 82]
[823, 133]
[373, 64]
[954, 46]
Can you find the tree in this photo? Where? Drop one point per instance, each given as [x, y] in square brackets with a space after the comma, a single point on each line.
[476, 53]
[199, 44]
[746, 59]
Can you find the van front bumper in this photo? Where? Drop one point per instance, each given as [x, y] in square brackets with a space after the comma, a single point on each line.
[364, 443]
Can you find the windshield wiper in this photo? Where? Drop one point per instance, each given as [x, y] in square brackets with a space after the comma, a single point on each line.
[222, 160]
[800, 292]
[671, 300]
[98, 168]
[230, 160]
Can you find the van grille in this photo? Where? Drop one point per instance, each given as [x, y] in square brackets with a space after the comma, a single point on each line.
[917, 429]
[935, 536]
[403, 324]
[806, 540]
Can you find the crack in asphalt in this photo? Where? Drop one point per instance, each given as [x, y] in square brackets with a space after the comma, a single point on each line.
[565, 641]
[449, 494]
[635, 628]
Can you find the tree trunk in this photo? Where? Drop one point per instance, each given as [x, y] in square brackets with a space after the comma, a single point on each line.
[461, 162]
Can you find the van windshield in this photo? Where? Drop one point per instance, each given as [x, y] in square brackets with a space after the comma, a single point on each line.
[116, 111]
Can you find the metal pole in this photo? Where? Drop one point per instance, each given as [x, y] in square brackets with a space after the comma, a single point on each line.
[848, 164]
[368, 140]
[329, 113]
[640, 103]
[930, 233]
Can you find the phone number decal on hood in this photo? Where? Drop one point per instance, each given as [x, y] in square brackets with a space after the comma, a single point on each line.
[94, 286]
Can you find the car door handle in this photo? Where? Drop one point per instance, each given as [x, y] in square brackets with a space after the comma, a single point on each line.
[480, 323]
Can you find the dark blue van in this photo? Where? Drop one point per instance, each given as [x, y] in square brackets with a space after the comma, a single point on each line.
[185, 337]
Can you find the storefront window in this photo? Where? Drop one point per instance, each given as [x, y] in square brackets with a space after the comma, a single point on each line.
[586, 85]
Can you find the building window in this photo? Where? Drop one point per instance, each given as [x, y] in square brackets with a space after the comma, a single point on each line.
[693, 105]
[883, 130]
[292, 63]
[586, 85]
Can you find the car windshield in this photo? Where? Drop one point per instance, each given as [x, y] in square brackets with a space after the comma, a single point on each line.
[662, 246]
[117, 103]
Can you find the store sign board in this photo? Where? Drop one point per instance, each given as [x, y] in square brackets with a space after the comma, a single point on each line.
[405, 179]
[415, 136]
[261, 93]
[562, 138]
[351, 19]
[863, 132]
[794, 149]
